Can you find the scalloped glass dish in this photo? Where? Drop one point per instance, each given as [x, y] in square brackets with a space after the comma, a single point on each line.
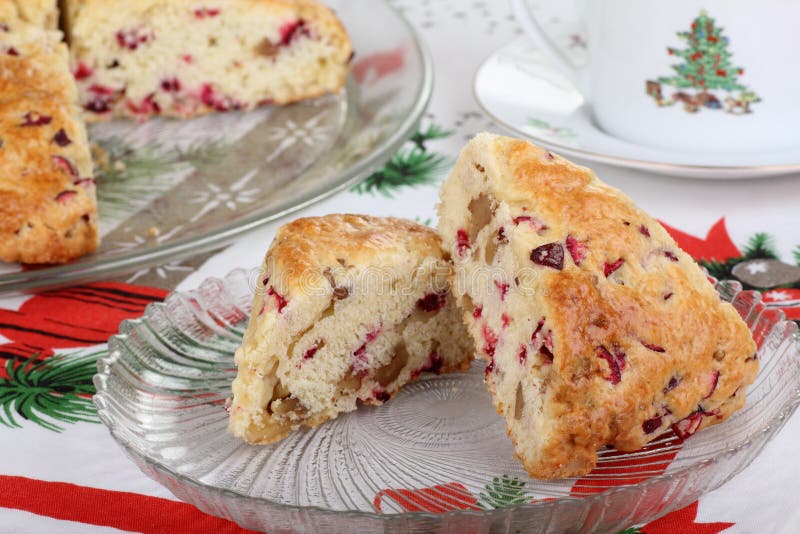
[169, 189]
[435, 457]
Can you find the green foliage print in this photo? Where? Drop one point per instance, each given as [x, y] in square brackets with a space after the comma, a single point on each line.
[56, 390]
[503, 491]
[413, 165]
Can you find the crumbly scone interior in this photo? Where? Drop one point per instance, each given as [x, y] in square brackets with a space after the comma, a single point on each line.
[357, 343]
[183, 57]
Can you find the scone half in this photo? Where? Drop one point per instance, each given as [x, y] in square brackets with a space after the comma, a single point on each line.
[349, 309]
[597, 329]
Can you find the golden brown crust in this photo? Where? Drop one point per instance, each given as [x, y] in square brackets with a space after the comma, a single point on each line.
[47, 198]
[304, 247]
[640, 339]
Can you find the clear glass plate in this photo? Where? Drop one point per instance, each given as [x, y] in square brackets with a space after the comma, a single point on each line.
[435, 457]
[170, 189]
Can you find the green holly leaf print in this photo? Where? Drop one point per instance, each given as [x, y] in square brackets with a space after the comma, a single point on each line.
[503, 491]
[413, 165]
[56, 390]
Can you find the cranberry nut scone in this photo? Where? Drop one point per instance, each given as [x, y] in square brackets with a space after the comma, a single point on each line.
[350, 308]
[48, 212]
[598, 330]
[189, 57]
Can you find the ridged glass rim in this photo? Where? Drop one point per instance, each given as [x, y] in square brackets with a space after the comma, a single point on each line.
[189, 246]
[768, 430]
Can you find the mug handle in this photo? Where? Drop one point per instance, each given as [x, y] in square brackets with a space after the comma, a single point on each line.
[577, 75]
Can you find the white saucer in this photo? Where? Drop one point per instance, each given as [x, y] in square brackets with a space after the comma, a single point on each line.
[517, 88]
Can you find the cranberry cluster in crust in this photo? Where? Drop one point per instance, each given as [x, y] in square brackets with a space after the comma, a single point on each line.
[596, 328]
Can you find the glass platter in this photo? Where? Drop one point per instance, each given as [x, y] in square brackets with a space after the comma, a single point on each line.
[434, 458]
[169, 189]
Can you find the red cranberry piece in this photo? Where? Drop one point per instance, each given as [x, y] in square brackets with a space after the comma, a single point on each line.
[688, 426]
[187, 58]
[712, 379]
[148, 106]
[65, 196]
[84, 182]
[12, 51]
[131, 38]
[538, 329]
[522, 355]
[65, 164]
[489, 369]
[547, 354]
[654, 348]
[360, 353]
[82, 71]
[476, 313]
[502, 287]
[97, 105]
[99, 89]
[4, 27]
[432, 302]
[280, 301]
[290, 30]
[490, 341]
[549, 156]
[380, 395]
[171, 85]
[616, 363]
[501, 236]
[537, 225]
[435, 363]
[61, 138]
[651, 425]
[203, 12]
[505, 320]
[548, 339]
[549, 255]
[644, 231]
[311, 352]
[670, 255]
[265, 281]
[668, 295]
[33, 118]
[609, 268]
[673, 383]
[576, 249]
[462, 242]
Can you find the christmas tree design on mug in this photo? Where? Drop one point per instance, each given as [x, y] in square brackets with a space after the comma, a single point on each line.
[706, 67]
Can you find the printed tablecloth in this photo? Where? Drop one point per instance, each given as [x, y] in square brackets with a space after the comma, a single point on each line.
[60, 471]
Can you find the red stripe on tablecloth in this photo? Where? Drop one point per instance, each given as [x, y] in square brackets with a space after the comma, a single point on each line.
[117, 509]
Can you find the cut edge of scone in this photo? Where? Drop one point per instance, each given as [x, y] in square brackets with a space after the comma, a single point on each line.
[349, 309]
[184, 59]
[597, 329]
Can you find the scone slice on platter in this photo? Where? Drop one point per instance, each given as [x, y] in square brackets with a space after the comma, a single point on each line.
[48, 211]
[597, 329]
[348, 309]
[184, 58]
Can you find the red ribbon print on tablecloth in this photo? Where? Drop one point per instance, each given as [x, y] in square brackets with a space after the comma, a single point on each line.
[87, 315]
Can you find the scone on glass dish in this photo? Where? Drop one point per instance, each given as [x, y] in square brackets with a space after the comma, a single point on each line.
[597, 329]
[184, 58]
[48, 212]
[349, 308]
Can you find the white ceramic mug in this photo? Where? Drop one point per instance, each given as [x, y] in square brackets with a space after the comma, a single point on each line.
[703, 76]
